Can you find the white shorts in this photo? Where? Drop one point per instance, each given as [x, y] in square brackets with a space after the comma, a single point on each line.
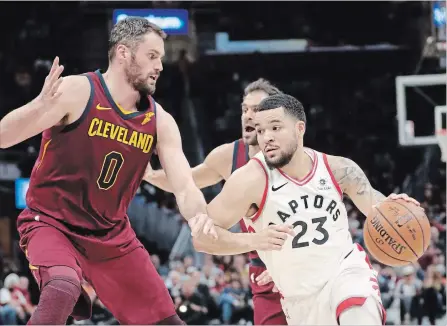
[350, 286]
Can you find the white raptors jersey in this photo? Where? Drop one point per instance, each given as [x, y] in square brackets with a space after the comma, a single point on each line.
[314, 206]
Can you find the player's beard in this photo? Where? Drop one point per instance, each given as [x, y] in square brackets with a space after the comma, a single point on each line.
[284, 157]
[136, 80]
[253, 141]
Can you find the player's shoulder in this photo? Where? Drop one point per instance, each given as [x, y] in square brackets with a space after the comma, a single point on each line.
[254, 173]
[75, 89]
[339, 162]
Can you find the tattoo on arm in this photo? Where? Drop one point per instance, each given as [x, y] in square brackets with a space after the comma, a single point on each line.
[354, 183]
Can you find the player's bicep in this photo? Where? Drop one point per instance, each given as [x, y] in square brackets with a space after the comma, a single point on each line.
[212, 170]
[354, 183]
[205, 176]
[170, 153]
[238, 194]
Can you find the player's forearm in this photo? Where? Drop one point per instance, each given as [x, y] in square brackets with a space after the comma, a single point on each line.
[159, 179]
[190, 201]
[227, 243]
[14, 125]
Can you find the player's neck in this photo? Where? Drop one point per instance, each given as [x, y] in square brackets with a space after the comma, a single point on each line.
[299, 166]
[253, 150]
[122, 93]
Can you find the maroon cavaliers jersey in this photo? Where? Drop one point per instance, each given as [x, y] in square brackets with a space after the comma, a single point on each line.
[88, 172]
[240, 158]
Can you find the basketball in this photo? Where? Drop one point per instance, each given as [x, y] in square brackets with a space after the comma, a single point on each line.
[397, 232]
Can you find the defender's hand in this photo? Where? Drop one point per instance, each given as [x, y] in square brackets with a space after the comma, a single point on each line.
[49, 92]
[274, 237]
[264, 278]
[201, 223]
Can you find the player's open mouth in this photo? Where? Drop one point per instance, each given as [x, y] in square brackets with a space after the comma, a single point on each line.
[270, 149]
[153, 77]
[249, 129]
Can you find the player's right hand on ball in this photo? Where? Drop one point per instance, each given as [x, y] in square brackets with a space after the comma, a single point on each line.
[274, 237]
[50, 88]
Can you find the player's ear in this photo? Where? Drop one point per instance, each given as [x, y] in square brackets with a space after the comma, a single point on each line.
[122, 52]
[301, 128]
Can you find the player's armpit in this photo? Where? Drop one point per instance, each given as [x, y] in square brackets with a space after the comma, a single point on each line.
[70, 96]
[205, 174]
[189, 198]
[243, 189]
[354, 183]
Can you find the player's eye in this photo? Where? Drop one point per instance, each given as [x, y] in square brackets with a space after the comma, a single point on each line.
[152, 56]
[260, 131]
[276, 128]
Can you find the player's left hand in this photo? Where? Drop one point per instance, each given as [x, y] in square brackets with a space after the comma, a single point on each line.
[404, 197]
[202, 223]
[263, 278]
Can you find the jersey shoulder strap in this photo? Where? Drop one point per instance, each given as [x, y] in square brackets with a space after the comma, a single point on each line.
[240, 155]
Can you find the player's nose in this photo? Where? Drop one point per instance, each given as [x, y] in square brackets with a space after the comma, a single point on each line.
[159, 65]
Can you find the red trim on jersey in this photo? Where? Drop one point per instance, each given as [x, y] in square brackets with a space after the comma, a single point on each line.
[334, 181]
[355, 301]
[264, 195]
[308, 177]
[241, 159]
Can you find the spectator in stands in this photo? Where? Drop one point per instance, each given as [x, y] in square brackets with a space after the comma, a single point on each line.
[233, 298]
[406, 289]
[173, 283]
[161, 269]
[433, 294]
[190, 305]
[8, 314]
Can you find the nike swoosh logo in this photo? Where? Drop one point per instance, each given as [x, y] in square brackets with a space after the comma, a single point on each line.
[277, 188]
[100, 108]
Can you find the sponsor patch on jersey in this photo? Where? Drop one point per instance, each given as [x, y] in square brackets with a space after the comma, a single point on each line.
[323, 184]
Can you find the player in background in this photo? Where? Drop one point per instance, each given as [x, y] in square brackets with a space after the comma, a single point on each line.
[323, 277]
[99, 131]
[220, 163]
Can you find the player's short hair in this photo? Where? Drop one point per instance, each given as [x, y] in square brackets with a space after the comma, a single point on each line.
[130, 31]
[261, 85]
[290, 104]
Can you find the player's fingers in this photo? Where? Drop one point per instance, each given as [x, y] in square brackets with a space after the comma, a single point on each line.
[264, 278]
[286, 229]
[261, 276]
[274, 247]
[54, 74]
[54, 66]
[278, 235]
[277, 241]
[56, 85]
[213, 232]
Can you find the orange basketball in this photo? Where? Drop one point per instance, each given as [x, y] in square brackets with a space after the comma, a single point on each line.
[397, 232]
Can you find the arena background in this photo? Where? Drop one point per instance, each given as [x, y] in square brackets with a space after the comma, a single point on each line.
[341, 59]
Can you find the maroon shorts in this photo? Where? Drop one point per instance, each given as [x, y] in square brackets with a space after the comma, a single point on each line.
[267, 304]
[129, 285]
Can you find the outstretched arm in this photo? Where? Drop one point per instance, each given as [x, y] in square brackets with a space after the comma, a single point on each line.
[206, 174]
[242, 189]
[355, 184]
[189, 198]
[54, 103]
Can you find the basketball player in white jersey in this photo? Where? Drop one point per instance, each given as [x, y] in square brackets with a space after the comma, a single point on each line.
[323, 277]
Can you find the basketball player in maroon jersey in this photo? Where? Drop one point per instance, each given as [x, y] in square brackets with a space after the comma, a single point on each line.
[220, 163]
[99, 131]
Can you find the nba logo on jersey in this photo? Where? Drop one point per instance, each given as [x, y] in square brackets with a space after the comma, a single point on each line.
[323, 184]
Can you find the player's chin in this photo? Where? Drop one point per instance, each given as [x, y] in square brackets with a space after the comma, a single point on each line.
[250, 138]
